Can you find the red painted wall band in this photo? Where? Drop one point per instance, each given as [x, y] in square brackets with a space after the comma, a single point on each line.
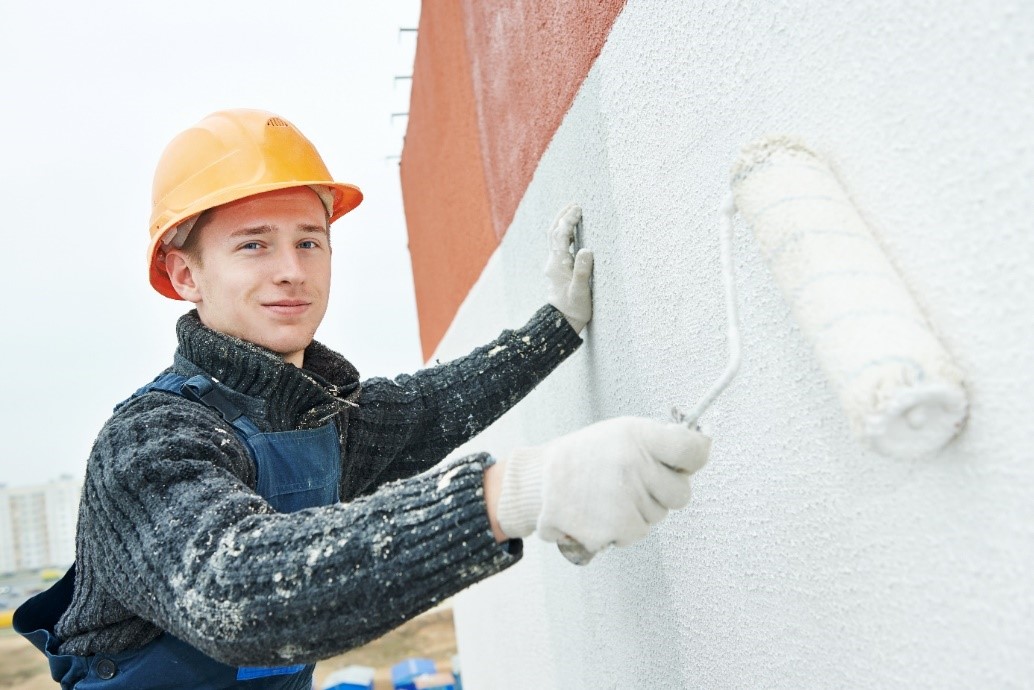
[491, 84]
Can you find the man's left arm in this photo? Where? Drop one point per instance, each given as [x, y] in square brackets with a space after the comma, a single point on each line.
[406, 425]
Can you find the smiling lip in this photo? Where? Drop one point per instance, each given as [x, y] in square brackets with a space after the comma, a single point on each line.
[287, 307]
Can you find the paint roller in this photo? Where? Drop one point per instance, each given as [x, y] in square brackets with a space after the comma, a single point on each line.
[902, 392]
[900, 389]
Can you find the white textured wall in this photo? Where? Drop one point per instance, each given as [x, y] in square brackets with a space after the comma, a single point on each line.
[804, 560]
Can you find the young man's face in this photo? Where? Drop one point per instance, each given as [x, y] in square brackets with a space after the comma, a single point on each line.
[260, 269]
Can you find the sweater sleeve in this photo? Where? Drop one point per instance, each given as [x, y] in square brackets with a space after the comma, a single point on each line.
[405, 425]
[172, 538]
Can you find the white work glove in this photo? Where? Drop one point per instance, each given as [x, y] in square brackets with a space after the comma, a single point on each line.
[569, 274]
[601, 485]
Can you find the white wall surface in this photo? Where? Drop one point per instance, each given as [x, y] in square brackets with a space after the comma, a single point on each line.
[804, 560]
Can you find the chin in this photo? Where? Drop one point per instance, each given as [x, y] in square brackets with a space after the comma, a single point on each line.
[286, 346]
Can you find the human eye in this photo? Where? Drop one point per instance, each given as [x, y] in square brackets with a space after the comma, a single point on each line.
[309, 244]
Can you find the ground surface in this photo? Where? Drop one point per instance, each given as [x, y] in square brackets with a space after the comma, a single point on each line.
[431, 635]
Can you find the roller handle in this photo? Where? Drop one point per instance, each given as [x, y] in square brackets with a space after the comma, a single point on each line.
[574, 551]
[569, 547]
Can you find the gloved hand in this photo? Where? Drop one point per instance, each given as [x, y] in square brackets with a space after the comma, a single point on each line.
[569, 276]
[601, 485]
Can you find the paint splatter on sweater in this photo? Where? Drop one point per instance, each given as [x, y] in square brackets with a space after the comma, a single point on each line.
[172, 536]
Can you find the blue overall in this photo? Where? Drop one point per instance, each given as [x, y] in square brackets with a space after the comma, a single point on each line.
[296, 470]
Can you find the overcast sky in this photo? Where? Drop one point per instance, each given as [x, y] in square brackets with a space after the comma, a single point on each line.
[91, 94]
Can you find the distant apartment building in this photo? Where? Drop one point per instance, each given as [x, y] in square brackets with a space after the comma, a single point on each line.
[37, 524]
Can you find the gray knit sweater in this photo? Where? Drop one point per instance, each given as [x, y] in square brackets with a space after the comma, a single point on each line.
[173, 537]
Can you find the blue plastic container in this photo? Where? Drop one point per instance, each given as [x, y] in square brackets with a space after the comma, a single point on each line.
[403, 673]
[350, 678]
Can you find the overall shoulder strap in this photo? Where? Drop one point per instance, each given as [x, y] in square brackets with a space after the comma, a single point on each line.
[168, 382]
[204, 390]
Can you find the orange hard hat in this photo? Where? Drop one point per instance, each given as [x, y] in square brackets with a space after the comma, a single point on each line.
[229, 155]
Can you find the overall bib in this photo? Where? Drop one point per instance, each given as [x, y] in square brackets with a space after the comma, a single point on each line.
[296, 470]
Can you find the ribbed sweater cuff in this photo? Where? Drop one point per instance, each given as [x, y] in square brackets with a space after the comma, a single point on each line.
[520, 501]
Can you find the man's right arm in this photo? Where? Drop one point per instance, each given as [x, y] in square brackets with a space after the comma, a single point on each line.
[407, 425]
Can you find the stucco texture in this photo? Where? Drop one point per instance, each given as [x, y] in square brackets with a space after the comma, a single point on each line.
[804, 559]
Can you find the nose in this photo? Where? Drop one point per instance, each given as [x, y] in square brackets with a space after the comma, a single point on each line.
[289, 267]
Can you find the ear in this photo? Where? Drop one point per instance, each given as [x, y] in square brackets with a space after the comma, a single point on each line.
[181, 275]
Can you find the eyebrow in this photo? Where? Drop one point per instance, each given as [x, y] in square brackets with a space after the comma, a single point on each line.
[256, 230]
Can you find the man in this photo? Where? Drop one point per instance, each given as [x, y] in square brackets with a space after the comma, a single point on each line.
[255, 507]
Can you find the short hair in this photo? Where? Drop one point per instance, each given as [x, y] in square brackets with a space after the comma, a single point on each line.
[192, 245]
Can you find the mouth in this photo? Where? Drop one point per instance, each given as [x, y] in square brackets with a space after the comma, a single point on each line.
[287, 307]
